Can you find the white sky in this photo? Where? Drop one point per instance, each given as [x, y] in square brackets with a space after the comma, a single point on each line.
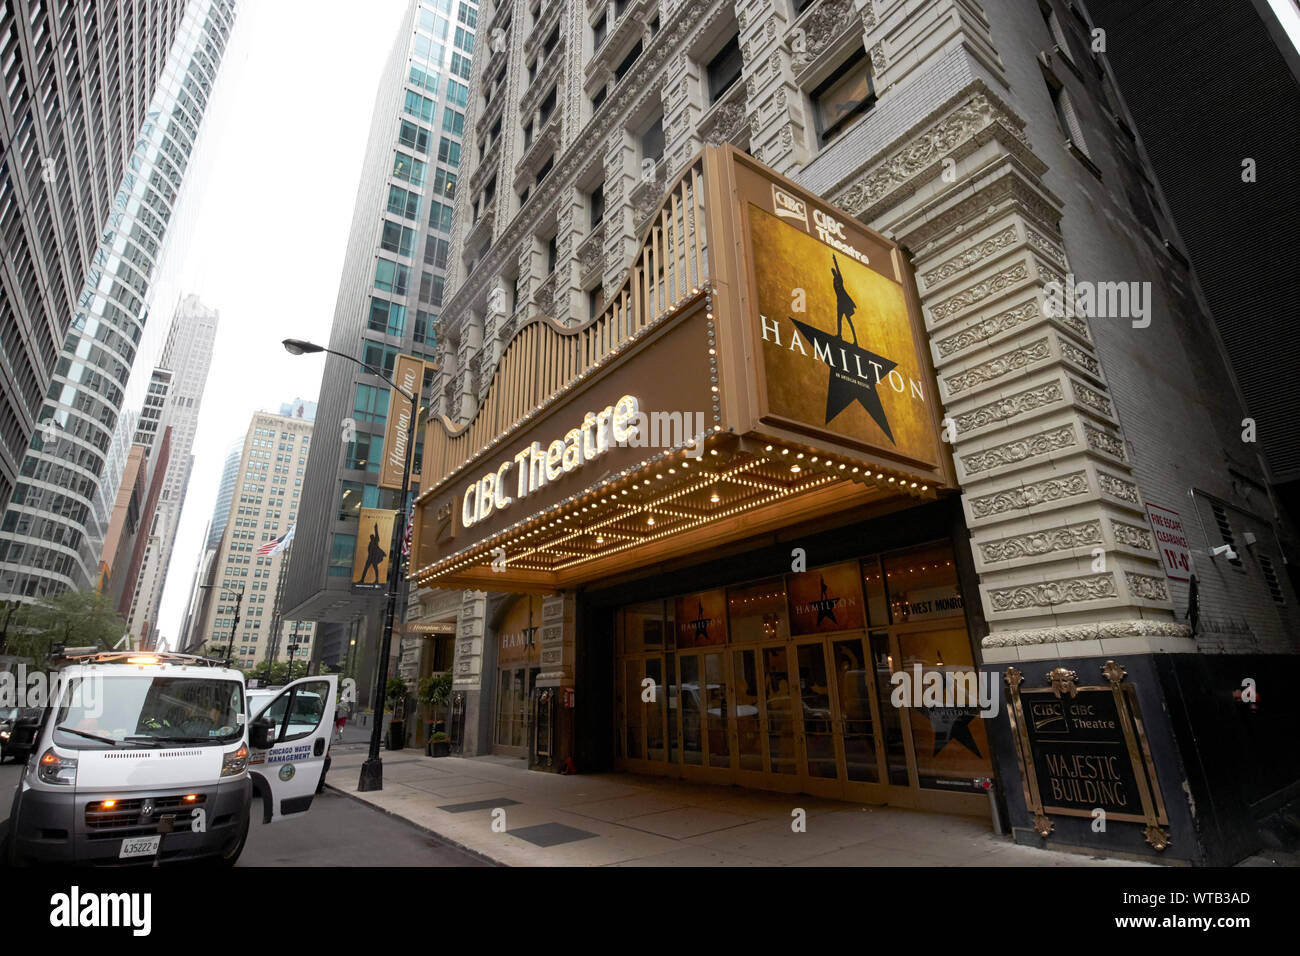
[268, 210]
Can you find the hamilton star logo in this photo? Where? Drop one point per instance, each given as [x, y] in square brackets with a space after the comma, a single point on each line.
[826, 606]
[701, 623]
[952, 723]
[846, 387]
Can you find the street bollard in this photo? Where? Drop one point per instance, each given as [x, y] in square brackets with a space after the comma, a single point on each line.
[987, 784]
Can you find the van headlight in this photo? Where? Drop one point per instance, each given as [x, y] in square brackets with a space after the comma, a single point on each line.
[234, 762]
[55, 769]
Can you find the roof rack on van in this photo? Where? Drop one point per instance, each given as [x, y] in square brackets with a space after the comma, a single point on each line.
[78, 656]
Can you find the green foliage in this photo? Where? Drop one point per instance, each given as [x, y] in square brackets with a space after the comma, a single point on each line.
[395, 690]
[438, 736]
[276, 673]
[436, 689]
[70, 618]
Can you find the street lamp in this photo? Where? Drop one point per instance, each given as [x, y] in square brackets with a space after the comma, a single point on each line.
[239, 600]
[372, 771]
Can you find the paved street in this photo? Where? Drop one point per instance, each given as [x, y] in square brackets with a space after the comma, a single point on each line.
[337, 831]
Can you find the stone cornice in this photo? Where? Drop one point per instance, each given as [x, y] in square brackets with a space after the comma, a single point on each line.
[967, 120]
[1101, 630]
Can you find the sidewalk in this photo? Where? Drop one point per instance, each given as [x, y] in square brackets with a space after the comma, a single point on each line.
[632, 820]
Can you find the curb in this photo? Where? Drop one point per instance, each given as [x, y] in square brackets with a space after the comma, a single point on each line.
[478, 854]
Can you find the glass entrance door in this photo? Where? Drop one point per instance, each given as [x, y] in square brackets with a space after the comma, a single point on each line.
[818, 717]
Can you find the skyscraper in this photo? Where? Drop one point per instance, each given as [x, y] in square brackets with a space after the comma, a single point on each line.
[76, 82]
[389, 298]
[56, 519]
[264, 506]
[204, 568]
[186, 358]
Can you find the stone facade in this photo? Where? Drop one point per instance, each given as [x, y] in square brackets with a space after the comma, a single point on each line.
[997, 154]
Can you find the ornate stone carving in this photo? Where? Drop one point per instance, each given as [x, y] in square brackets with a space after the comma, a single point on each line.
[820, 27]
[591, 251]
[868, 16]
[971, 256]
[1132, 536]
[1030, 495]
[1103, 441]
[995, 368]
[878, 61]
[985, 329]
[1038, 543]
[1100, 630]
[1048, 248]
[1091, 398]
[1117, 487]
[1007, 408]
[924, 150]
[1093, 587]
[1022, 449]
[1146, 586]
[980, 291]
[1079, 357]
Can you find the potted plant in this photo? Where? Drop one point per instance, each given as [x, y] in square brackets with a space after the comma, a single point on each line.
[439, 744]
[435, 692]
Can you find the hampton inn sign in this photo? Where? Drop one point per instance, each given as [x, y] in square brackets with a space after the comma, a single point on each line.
[762, 363]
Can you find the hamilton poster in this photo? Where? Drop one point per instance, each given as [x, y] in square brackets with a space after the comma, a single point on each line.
[838, 352]
[374, 540]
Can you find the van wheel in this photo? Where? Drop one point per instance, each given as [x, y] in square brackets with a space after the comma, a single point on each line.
[229, 859]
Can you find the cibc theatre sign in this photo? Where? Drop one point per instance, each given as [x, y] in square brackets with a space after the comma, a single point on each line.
[762, 363]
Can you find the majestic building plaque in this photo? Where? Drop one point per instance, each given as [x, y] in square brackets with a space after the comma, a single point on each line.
[1082, 752]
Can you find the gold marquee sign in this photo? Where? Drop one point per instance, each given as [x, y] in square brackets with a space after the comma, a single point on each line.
[763, 363]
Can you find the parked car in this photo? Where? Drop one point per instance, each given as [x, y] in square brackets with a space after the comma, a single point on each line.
[18, 729]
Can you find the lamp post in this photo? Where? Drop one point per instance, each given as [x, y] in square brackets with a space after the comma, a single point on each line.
[239, 600]
[372, 771]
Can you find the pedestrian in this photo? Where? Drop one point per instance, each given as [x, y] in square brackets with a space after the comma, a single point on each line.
[340, 721]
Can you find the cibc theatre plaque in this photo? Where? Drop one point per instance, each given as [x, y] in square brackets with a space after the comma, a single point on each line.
[1083, 752]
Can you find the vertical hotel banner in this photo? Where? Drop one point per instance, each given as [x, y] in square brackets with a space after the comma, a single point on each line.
[408, 372]
[374, 541]
[838, 339]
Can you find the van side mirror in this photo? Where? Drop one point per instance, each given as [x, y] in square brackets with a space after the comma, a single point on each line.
[261, 733]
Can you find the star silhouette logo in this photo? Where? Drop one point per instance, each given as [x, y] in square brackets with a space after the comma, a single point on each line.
[825, 606]
[855, 375]
[952, 723]
[702, 623]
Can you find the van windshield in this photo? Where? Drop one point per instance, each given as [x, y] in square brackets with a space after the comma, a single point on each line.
[101, 712]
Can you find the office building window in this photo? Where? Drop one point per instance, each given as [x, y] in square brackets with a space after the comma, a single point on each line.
[371, 404]
[652, 140]
[386, 317]
[596, 203]
[413, 137]
[724, 69]
[843, 96]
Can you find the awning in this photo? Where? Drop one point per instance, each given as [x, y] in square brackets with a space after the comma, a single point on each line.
[763, 365]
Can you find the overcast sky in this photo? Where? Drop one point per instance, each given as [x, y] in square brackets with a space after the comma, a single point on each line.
[266, 221]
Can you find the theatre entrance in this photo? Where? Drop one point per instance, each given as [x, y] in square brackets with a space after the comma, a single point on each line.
[730, 686]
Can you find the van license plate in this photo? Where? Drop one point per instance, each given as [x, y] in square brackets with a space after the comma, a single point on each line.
[140, 846]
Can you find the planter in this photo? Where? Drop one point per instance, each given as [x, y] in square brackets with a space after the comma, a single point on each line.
[396, 735]
[439, 748]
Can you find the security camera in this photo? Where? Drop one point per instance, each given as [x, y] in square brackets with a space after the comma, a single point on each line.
[1225, 551]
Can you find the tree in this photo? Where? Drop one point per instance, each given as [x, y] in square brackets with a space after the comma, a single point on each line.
[70, 618]
[10, 613]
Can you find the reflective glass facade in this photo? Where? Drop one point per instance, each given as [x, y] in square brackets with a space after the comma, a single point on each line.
[55, 522]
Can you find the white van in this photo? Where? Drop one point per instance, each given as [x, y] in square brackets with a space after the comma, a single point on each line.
[148, 757]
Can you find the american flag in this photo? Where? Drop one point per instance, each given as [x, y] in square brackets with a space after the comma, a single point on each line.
[406, 533]
[276, 545]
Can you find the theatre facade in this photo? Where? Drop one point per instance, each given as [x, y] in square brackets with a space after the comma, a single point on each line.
[749, 526]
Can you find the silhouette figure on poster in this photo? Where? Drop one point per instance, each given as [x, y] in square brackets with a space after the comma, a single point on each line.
[374, 555]
[844, 304]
